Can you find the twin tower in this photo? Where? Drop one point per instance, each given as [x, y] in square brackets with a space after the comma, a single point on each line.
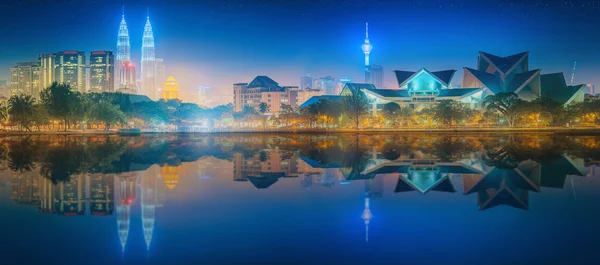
[151, 71]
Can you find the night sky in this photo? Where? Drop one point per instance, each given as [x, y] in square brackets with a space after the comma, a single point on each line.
[221, 42]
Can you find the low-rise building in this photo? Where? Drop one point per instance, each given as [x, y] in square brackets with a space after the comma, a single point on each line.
[264, 89]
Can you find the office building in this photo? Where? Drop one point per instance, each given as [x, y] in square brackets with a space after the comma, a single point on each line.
[264, 89]
[70, 69]
[377, 76]
[306, 82]
[326, 84]
[161, 75]
[127, 83]
[148, 62]
[24, 79]
[102, 193]
[102, 69]
[340, 84]
[123, 56]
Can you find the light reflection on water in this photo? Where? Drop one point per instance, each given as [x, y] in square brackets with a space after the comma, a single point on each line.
[238, 198]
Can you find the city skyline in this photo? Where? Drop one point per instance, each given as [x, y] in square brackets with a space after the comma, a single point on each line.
[218, 51]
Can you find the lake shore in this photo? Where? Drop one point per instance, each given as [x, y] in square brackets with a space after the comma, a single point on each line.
[402, 130]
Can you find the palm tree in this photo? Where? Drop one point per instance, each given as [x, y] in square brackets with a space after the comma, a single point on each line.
[21, 109]
[3, 113]
[263, 108]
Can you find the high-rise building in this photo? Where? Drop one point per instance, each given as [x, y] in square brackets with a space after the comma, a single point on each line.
[161, 75]
[125, 187]
[24, 79]
[70, 69]
[47, 70]
[102, 71]
[306, 82]
[590, 89]
[170, 176]
[202, 96]
[326, 84]
[170, 89]
[123, 55]
[102, 194]
[127, 83]
[239, 96]
[148, 62]
[367, 47]
[148, 197]
[70, 197]
[377, 75]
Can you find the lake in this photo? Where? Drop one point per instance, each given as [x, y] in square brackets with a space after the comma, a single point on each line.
[300, 199]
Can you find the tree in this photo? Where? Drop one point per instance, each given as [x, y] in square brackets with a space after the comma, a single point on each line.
[263, 108]
[21, 110]
[356, 105]
[4, 116]
[41, 116]
[448, 111]
[60, 102]
[248, 110]
[390, 112]
[555, 109]
[108, 114]
[509, 105]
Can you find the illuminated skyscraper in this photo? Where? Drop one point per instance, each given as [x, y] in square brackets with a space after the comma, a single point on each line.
[170, 89]
[70, 197]
[125, 194]
[24, 79]
[161, 75]
[70, 69]
[148, 62]
[366, 47]
[377, 75]
[148, 197]
[102, 194]
[123, 54]
[102, 70]
[47, 70]
[127, 76]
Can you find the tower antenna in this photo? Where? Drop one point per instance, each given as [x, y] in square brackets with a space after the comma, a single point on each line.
[367, 30]
[573, 75]
[123, 14]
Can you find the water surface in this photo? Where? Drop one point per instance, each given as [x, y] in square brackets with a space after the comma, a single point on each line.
[300, 199]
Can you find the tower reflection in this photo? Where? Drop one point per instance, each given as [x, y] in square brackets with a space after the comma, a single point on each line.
[108, 174]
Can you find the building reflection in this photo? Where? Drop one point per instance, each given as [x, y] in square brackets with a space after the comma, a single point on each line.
[140, 172]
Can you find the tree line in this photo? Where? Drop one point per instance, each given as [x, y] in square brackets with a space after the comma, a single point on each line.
[60, 108]
[502, 109]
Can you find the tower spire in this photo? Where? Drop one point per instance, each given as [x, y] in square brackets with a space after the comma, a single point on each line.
[148, 13]
[123, 13]
[367, 30]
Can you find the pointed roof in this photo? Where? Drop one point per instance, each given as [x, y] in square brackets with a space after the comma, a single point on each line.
[262, 182]
[263, 81]
[504, 64]
[490, 81]
[424, 183]
[444, 77]
[555, 87]
[359, 86]
[402, 76]
[521, 80]
[504, 196]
